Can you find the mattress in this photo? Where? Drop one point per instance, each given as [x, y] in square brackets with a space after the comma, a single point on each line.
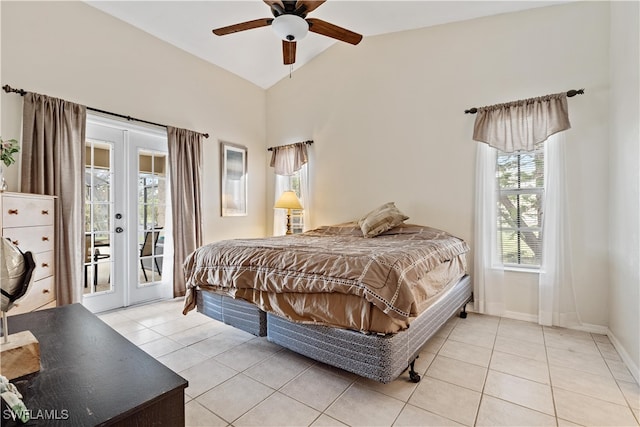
[237, 313]
[333, 275]
[379, 357]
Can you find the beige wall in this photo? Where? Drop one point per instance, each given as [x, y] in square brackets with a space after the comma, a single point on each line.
[70, 50]
[388, 122]
[624, 220]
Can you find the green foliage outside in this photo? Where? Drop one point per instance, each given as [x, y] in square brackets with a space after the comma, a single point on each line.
[521, 183]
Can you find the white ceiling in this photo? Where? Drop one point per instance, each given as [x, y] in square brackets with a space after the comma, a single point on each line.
[256, 55]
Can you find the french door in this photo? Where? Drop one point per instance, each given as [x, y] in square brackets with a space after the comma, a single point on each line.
[128, 254]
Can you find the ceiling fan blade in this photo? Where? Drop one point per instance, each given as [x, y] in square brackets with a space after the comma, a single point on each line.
[330, 30]
[310, 5]
[288, 52]
[256, 23]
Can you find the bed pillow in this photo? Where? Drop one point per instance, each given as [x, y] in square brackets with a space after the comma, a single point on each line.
[381, 219]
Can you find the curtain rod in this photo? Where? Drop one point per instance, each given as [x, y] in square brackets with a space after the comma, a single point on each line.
[289, 145]
[23, 92]
[571, 93]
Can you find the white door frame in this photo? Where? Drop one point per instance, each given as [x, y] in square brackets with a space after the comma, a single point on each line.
[126, 289]
[155, 142]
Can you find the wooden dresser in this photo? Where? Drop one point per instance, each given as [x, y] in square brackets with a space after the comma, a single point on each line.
[28, 220]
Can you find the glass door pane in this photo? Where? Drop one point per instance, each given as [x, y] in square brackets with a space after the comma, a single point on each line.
[127, 258]
[98, 261]
[151, 215]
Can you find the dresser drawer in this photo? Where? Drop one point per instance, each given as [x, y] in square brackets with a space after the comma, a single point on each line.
[34, 239]
[27, 211]
[45, 265]
[40, 292]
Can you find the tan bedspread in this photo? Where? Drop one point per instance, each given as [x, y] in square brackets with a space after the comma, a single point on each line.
[333, 275]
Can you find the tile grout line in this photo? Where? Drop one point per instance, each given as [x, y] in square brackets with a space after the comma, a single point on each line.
[618, 381]
[484, 383]
[546, 354]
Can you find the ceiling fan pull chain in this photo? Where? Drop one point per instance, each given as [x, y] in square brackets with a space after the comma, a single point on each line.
[290, 70]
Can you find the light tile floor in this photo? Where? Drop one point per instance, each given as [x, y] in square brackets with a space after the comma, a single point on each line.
[483, 371]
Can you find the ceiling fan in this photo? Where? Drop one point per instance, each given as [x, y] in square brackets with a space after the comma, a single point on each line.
[291, 24]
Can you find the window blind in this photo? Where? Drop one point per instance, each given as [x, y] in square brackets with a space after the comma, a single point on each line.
[520, 178]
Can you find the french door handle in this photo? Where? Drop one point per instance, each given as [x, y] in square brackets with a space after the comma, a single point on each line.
[119, 229]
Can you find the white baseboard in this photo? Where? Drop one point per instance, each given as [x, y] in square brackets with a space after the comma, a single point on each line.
[525, 317]
[593, 329]
[585, 327]
[521, 316]
[631, 365]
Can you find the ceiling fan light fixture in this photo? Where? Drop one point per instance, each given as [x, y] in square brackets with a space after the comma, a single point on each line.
[290, 27]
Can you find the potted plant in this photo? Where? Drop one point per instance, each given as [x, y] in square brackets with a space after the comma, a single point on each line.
[7, 149]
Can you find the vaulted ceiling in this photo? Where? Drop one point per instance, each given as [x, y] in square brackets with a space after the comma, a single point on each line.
[256, 55]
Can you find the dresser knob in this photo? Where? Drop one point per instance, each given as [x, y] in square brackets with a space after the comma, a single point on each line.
[45, 239]
[45, 265]
[45, 212]
[45, 291]
[13, 211]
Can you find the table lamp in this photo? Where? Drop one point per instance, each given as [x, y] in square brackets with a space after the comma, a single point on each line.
[288, 200]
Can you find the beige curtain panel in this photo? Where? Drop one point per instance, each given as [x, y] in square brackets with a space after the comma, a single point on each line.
[520, 125]
[288, 159]
[185, 165]
[53, 137]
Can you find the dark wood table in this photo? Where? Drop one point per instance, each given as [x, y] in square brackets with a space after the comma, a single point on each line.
[92, 376]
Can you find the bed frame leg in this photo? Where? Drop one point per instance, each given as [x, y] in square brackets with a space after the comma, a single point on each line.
[413, 375]
[463, 313]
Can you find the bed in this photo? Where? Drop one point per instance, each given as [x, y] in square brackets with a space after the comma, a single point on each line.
[366, 305]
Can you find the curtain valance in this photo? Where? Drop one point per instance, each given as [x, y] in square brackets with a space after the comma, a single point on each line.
[288, 159]
[520, 125]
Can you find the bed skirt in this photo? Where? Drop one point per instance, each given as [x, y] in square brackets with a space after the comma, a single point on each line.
[379, 357]
[238, 313]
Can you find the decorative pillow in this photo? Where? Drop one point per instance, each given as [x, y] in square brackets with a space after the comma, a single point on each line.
[381, 219]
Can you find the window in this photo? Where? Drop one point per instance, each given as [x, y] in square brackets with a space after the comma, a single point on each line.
[152, 210]
[292, 182]
[520, 178]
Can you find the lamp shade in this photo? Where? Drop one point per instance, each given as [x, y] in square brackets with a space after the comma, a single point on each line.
[290, 27]
[288, 200]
